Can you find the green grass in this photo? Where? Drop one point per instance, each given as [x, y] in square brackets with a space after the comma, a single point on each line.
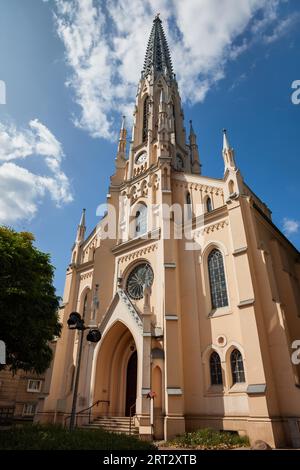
[50, 437]
[209, 439]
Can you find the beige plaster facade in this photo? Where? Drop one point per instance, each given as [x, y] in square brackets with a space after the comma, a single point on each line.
[177, 325]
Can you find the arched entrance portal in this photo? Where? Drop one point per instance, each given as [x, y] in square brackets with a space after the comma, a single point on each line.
[131, 382]
[116, 372]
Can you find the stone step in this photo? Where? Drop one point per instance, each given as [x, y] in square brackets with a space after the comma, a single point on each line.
[118, 418]
[112, 421]
[121, 430]
[117, 424]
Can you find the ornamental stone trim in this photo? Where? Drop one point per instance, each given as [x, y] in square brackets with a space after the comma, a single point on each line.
[131, 308]
[200, 187]
[139, 253]
[212, 228]
[86, 275]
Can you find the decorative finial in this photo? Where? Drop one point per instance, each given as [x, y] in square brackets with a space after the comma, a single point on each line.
[191, 127]
[226, 145]
[123, 122]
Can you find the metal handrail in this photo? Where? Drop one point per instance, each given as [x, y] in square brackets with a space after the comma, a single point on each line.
[89, 409]
[131, 416]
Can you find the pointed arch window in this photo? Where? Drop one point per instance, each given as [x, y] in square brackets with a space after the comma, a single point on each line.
[141, 220]
[84, 306]
[217, 281]
[208, 205]
[237, 367]
[145, 119]
[215, 369]
[189, 205]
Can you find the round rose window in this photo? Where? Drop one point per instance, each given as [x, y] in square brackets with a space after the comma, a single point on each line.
[140, 277]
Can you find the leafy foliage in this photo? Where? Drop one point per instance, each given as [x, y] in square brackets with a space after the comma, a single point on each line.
[50, 437]
[209, 439]
[28, 304]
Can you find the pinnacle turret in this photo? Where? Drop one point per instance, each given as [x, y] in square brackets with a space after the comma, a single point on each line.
[228, 153]
[194, 152]
[81, 228]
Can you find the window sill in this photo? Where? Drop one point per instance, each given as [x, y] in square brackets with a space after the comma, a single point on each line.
[219, 312]
[238, 388]
[215, 390]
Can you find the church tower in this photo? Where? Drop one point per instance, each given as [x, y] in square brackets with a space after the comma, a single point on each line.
[193, 288]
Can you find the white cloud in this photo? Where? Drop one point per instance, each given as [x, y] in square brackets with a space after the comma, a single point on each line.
[290, 226]
[105, 43]
[21, 190]
[282, 28]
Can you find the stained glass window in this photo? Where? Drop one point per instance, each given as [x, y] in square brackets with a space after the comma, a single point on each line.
[218, 291]
[140, 276]
[237, 367]
[208, 205]
[215, 369]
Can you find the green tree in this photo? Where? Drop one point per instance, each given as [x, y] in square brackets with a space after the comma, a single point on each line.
[28, 304]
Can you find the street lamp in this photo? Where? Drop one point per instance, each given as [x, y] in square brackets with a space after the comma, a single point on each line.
[75, 322]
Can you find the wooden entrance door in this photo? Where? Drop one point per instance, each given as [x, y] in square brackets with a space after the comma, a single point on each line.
[131, 382]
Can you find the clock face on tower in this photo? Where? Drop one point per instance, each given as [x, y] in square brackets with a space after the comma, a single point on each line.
[141, 158]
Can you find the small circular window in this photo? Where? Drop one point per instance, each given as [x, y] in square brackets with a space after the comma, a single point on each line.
[141, 276]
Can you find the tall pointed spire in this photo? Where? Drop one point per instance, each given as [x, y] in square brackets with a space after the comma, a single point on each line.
[194, 152]
[228, 153]
[120, 160]
[226, 145]
[81, 228]
[122, 139]
[157, 54]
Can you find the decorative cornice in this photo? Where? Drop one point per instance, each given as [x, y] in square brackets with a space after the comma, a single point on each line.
[86, 275]
[199, 187]
[212, 228]
[84, 266]
[139, 253]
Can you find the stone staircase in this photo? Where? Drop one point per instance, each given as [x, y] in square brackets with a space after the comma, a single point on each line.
[118, 424]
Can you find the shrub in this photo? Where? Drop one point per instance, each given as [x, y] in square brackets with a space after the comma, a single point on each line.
[51, 437]
[209, 439]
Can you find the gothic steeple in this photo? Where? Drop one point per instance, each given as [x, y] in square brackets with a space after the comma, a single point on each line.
[122, 141]
[81, 228]
[194, 153]
[228, 153]
[157, 54]
[158, 135]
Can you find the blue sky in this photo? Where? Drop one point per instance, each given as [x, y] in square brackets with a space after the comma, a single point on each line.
[71, 70]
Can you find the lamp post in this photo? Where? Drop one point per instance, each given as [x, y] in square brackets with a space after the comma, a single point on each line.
[75, 322]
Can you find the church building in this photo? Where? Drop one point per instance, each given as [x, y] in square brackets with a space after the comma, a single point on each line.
[195, 291]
